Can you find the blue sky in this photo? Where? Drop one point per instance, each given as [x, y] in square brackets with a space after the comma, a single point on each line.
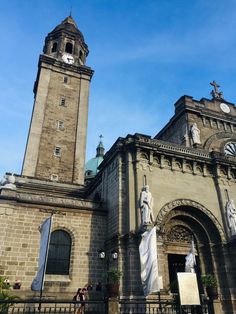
[146, 54]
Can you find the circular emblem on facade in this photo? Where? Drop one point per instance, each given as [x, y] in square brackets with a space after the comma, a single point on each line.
[225, 108]
[230, 149]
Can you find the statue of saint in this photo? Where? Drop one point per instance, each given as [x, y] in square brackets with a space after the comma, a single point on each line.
[195, 133]
[146, 205]
[231, 216]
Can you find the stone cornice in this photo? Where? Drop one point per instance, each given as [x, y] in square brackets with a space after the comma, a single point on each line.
[53, 201]
[146, 142]
[84, 70]
[47, 187]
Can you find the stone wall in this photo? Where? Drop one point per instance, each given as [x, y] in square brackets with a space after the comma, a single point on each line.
[19, 243]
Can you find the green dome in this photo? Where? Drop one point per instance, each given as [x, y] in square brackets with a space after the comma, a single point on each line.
[91, 167]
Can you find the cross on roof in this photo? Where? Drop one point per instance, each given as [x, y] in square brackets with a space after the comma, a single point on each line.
[215, 93]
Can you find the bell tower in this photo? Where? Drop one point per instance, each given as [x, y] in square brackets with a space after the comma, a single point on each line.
[56, 142]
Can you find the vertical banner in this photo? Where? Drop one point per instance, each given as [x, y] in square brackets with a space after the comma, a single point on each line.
[45, 230]
[148, 261]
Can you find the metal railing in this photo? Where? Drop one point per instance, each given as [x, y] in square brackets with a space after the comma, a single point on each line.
[126, 306]
[161, 307]
[51, 306]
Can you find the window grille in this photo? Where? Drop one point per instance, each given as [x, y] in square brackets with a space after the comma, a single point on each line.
[63, 101]
[66, 79]
[57, 151]
[60, 125]
[58, 262]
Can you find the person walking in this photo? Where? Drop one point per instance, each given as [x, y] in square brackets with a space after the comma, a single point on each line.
[78, 298]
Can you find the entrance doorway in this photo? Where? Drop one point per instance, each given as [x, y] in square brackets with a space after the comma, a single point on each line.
[176, 263]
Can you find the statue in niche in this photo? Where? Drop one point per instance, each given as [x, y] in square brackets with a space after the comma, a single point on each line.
[231, 216]
[195, 133]
[146, 205]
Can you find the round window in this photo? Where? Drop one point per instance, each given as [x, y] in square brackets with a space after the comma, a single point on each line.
[230, 149]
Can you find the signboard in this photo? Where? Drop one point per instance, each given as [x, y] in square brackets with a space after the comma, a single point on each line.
[188, 289]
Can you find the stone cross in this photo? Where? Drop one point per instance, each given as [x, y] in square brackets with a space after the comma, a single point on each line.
[215, 93]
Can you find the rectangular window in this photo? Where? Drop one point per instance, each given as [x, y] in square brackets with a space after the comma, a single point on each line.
[57, 151]
[60, 125]
[54, 177]
[63, 102]
[66, 79]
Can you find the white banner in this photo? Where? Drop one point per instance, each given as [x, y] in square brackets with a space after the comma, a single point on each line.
[45, 230]
[148, 261]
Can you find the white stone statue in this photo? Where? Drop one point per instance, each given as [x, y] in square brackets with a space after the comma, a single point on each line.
[190, 260]
[195, 133]
[9, 183]
[146, 205]
[231, 216]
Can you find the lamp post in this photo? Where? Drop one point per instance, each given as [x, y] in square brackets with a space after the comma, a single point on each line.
[113, 275]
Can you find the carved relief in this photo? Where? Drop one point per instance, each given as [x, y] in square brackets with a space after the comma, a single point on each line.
[223, 172]
[199, 169]
[143, 156]
[188, 167]
[177, 165]
[179, 234]
[156, 161]
[166, 163]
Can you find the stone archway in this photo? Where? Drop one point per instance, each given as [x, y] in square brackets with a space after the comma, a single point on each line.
[194, 209]
[175, 222]
[220, 136]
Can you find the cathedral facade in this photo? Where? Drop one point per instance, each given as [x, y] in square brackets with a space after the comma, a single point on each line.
[189, 166]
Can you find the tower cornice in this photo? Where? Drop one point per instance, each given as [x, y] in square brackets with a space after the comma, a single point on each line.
[82, 69]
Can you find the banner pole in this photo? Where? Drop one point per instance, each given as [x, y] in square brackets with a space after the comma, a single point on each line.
[44, 266]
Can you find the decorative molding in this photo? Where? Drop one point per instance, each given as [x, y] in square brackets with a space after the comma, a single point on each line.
[52, 211]
[174, 163]
[56, 201]
[52, 201]
[167, 208]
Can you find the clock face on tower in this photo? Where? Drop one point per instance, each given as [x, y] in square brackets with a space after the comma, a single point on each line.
[225, 108]
[68, 58]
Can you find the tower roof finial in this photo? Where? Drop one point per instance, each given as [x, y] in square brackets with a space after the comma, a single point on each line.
[100, 148]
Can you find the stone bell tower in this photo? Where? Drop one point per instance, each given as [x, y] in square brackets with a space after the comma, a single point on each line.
[56, 143]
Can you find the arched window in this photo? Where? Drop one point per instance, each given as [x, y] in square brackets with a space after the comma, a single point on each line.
[69, 48]
[54, 47]
[59, 253]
